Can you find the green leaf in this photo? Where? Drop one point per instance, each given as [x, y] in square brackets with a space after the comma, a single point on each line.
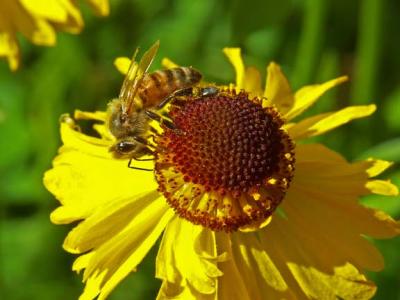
[388, 150]
[391, 110]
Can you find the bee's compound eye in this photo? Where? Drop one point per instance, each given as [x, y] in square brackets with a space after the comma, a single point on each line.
[125, 146]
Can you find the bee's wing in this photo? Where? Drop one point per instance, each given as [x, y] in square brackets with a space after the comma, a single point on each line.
[134, 76]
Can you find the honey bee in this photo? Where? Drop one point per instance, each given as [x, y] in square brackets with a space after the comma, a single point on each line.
[142, 93]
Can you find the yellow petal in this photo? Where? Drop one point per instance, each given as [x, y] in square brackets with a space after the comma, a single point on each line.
[184, 242]
[9, 48]
[235, 57]
[319, 219]
[107, 221]
[85, 164]
[92, 287]
[277, 89]
[308, 264]
[308, 95]
[254, 267]
[37, 30]
[169, 291]
[318, 153]
[122, 64]
[322, 123]
[104, 132]
[378, 166]
[345, 283]
[51, 10]
[382, 187]
[84, 115]
[82, 261]
[124, 249]
[338, 185]
[137, 230]
[168, 64]
[252, 82]
[101, 7]
[232, 285]
[256, 225]
[74, 22]
[44, 34]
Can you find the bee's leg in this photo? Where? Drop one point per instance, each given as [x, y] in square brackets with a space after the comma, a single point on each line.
[146, 151]
[141, 140]
[137, 168]
[154, 131]
[158, 118]
[142, 159]
[182, 92]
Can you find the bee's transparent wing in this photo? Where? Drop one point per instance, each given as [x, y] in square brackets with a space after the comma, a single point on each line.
[135, 75]
[148, 58]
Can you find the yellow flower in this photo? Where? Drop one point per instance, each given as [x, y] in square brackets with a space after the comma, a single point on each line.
[312, 247]
[38, 20]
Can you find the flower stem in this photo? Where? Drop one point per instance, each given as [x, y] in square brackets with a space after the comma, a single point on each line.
[311, 39]
[368, 51]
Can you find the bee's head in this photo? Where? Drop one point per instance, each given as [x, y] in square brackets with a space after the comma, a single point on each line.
[127, 148]
[121, 124]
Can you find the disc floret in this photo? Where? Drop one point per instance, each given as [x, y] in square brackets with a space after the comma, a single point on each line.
[229, 163]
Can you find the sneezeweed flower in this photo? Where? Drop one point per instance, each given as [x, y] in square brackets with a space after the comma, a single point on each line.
[248, 211]
[38, 21]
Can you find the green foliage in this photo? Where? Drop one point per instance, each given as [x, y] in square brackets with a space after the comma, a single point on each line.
[312, 40]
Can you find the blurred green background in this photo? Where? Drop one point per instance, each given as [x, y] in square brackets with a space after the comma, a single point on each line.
[313, 40]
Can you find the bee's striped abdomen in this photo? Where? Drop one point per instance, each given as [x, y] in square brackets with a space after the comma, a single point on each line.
[160, 84]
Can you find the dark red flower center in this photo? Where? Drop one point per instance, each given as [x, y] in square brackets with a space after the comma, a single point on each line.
[226, 145]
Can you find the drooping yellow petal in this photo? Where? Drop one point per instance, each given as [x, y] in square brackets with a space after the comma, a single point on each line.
[107, 221]
[120, 235]
[140, 241]
[308, 95]
[277, 89]
[83, 165]
[253, 268]
[169, 291]
[187, 256]
[339, 184]
[231, 273]
[345, 283]
[312, 271]
[329, 226]
[322, 123]
[235, 57]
